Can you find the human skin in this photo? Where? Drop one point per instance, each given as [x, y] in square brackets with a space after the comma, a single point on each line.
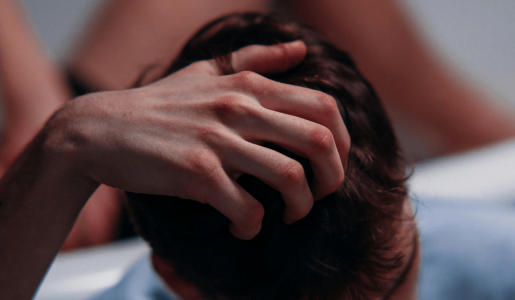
[154, 32]
[426, 96]
[31, 86]
[131, 37]
[32, 89]
[175, 137]
[411, 80]
[23, 64]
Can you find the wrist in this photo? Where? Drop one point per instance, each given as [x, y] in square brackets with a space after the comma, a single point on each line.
[42, 194]
[64, 142]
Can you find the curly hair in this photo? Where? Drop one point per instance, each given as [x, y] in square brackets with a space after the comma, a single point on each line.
[344, 248]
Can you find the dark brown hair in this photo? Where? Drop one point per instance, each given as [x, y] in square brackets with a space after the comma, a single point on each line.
[344, 248]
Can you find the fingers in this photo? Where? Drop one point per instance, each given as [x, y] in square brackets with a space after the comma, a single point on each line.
[304, 138]
[317, 107]
[261, 59]
[245, 212]
[267, 60]
[297, 101]
[308, 139]
[280, 172]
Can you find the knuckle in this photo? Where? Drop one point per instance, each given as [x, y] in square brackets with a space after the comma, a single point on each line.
[202, 162]
[292, 173]
[246, 80]
[321, 139]
[215, 174]
[247, 76]
[201, 66]
[233, 106]
[328, 106]
[213, 135]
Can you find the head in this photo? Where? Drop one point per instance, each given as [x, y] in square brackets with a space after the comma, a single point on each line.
[356, 243]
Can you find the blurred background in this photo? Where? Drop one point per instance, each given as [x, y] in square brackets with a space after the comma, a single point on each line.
[474, 38]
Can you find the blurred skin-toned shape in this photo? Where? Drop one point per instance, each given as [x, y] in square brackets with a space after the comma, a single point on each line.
[33, 88]
[388, 49]
[129, 36]
[378, 34]
[134, 37]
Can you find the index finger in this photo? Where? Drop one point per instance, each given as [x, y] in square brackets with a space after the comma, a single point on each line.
[265, 60]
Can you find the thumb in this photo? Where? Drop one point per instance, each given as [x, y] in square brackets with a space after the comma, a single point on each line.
[266, 60]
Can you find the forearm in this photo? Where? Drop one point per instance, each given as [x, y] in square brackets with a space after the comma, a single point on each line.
[132, 35]
[32, 86]
[41, 195]
[144, 141]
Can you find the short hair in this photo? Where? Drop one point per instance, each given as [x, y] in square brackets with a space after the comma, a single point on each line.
[344, 248]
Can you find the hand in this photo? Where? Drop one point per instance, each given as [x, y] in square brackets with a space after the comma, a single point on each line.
[193, 133]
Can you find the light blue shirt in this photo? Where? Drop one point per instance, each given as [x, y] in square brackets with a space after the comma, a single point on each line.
[139, 283]
[468, 251]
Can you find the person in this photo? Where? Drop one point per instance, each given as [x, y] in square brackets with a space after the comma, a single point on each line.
[425, 99]
[156, 140]
[437, 111]
[32, 88]
[360, 242]
[422, 94]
